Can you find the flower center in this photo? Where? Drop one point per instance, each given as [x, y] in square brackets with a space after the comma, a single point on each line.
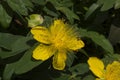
[58, 43]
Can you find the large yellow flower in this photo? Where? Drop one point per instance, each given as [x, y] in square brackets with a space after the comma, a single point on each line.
[112, 71]
[56, 40]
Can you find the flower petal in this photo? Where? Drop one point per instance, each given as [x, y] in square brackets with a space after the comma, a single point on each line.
[41, 34]
[98, 79]
[57, 26]
[59, 60]
[58, 29]
[113, 71]
[43, 52]
[96, 66]
[75, 44]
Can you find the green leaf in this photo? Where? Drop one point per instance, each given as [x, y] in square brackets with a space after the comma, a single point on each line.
[25, 64]
[39, 2]
[15, 45]
[79, 69]
[92, 8]
[70, 59]
[4, 37]
[5, 19]
[76, 71]
[63, 3]
[8, 72]
[100, 2]
[102, 41]
[62, 77]
[63, 6]
[28, 4]
[50, 12]
[89, 77]
[56, 3]
[66, 3]
[76, 78]
[113, 34]
[108, 4]
[116, 57]
[98, 39]
[117, 4]
[6, 54]
[69, 13]
[20, 6]
[21, 43]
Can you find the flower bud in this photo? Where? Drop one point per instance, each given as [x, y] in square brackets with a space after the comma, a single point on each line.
[34, 20]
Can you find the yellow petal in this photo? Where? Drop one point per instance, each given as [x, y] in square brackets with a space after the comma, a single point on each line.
[59, 60]
[113, 71]
[58, 28]
[61, 29]
[96, 66]
[57, 25]
[75, 44]
[41, 34]
[43, 52]
[98, 79]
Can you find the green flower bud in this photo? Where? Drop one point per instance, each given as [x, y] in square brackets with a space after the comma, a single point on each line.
[34, 20]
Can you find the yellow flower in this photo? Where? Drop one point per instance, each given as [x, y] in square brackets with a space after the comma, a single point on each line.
[56, 41]
[111, 72]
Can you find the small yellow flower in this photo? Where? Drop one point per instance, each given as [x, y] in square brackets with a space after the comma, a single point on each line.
[111, 72]
[56, 41]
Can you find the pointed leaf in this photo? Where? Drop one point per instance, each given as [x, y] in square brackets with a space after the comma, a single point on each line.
[92, 8]
[20, 6]
[69, 13]
[5, 19]
[108, 4]
[25, 64]
[79, 68]
[98, 39]
[117, 4]
[8, 72]
[15, 45]
[4, 37]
